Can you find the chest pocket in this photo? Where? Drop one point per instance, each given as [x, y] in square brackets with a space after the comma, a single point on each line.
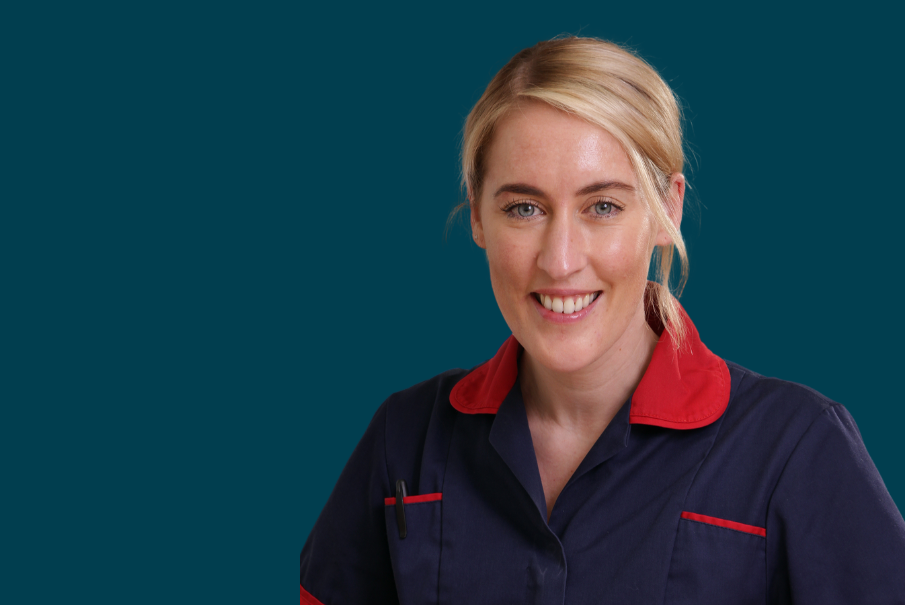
[717, 561]
[415, 557]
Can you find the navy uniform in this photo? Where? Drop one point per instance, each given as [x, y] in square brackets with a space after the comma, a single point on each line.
[711, 485]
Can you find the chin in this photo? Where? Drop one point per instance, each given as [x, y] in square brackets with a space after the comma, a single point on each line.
[564, 356]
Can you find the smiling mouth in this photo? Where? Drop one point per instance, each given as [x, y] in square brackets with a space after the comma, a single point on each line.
[566, 304]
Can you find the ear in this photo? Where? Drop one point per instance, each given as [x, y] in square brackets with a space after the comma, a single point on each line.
[477, 229]
[674, 201]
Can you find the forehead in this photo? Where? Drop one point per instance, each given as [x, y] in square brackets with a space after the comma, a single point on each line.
[554, 150]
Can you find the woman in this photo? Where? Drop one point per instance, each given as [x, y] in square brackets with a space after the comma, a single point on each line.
[604, 454]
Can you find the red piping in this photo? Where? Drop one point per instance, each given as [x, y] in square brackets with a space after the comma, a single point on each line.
[414, 499]
[748, 529]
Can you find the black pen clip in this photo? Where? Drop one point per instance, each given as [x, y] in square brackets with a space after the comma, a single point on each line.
[401, 493]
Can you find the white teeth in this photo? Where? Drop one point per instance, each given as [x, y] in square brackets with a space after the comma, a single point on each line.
[567, 305]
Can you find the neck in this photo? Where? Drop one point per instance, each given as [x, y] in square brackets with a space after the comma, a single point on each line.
[589, 398]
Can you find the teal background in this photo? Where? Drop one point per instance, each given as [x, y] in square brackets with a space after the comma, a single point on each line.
[222, 248]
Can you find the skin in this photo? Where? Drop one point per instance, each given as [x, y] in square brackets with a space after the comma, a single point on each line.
[574, 376]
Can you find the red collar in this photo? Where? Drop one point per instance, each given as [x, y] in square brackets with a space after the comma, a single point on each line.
[684, 389]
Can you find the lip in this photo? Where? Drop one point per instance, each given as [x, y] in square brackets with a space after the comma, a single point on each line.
[562, 318]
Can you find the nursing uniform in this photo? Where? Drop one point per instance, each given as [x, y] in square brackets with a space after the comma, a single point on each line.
[712, 485]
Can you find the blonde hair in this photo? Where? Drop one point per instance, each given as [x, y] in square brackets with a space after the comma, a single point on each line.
[612, 88]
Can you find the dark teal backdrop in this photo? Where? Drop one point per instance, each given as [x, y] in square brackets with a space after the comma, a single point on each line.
[222, 248]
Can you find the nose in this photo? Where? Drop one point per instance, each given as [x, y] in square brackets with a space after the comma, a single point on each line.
[563, 250]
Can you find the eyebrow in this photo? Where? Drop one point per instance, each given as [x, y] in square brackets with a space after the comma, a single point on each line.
[519, 188]
[604, 185]
[523, 189]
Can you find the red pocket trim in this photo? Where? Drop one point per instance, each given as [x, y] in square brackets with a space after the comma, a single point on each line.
[306, 598]
[414, 499]
[748, 529]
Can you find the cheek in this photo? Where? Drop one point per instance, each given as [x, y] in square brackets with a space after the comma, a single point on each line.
[510, 268]
[628, 255]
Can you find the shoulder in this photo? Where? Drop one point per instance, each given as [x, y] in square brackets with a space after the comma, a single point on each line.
[773, 425]
[400, 424]
[749, 385]
[764, 424]
[415, 405]
[774, 438]
[774, 405]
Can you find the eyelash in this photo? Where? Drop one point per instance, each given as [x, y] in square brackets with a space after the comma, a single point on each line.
[513, 205]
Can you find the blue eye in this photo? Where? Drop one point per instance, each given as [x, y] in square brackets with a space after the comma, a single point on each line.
[604, 208]
[526, 210]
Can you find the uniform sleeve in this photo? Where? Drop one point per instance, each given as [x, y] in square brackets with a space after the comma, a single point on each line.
[834, 534]
[346, 558]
